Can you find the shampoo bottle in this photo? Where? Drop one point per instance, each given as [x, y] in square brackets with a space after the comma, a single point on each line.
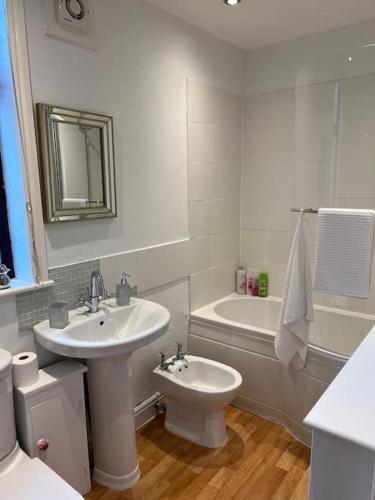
[263, 285]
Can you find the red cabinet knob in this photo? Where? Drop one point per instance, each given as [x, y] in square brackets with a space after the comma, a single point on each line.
[42, 443]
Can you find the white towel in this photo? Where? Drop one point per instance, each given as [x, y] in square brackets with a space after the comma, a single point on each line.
[292, 335]
[343, 253]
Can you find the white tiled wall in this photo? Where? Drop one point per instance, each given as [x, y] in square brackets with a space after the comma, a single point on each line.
[267, 183]
[214, 176]
[294, 156]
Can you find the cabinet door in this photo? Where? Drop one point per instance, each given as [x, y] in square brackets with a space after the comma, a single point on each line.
[66, 454]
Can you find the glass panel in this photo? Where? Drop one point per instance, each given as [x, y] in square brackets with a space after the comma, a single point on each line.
[335, 167]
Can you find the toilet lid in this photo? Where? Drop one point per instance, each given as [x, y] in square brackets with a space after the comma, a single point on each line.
[35, 481]
[5, 363]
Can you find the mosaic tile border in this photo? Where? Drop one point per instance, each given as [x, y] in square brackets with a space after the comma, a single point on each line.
[70, 284]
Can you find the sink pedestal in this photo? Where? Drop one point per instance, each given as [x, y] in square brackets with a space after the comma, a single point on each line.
[113, 426]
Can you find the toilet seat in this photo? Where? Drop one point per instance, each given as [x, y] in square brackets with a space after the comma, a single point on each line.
[32, 479]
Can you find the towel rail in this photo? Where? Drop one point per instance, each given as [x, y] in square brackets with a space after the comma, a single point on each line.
[305, 210]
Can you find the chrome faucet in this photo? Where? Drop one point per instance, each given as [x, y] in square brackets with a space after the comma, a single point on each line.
[164, 365]
[96, 292]
[180, 354]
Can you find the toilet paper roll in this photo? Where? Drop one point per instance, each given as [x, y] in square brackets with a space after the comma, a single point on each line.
[25, 369]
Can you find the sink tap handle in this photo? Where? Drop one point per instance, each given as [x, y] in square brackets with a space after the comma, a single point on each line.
[163, 363]
[83, 302]
[180, 354]
[80, 302]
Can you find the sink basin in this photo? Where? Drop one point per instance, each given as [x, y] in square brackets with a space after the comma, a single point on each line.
[106, 339]
[112, 331]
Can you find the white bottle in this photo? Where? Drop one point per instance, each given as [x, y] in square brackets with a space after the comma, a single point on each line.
[241, 281]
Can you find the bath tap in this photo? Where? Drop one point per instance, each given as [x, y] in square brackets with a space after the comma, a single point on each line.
[96, 292]
[164, 365]
[180, 354]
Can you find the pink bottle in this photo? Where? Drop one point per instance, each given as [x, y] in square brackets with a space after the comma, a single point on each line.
[255, 287]
[249, 281]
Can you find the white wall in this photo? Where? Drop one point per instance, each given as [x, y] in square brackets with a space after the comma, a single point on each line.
[137, 74]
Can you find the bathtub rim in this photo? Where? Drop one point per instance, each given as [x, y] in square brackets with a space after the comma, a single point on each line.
[206, 315]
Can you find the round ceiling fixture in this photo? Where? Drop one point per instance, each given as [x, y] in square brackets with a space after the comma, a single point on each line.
[231, 2]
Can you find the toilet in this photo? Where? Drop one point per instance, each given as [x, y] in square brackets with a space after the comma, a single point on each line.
[20, 476]
[197, 389]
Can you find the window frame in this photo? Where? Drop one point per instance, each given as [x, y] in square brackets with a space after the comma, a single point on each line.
[6, 253]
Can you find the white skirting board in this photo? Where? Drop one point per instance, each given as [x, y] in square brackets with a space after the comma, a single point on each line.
[299, 431]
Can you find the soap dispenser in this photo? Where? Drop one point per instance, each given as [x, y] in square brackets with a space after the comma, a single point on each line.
[123, 291]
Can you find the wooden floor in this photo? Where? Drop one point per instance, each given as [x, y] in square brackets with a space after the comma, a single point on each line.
[261, 461]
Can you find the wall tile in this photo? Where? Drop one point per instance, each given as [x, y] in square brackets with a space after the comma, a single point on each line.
[266, 213]
[357, 138]
[357, 97]
[207, 143]
[269, 145]
[207, 104]
[212, 284]
[270, 109]
[208, 181]
[271, 180]
[273, 246]
[356, 178]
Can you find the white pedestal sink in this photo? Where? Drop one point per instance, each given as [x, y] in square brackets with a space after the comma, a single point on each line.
[107, 339]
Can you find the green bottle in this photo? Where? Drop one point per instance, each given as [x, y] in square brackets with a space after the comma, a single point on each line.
[263, 285]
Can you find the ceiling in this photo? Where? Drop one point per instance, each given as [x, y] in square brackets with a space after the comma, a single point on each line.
[255, 23]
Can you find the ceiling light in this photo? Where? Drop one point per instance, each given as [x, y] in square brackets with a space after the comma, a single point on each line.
[231, 2]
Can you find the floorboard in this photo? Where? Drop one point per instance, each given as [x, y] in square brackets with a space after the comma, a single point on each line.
[261, 461]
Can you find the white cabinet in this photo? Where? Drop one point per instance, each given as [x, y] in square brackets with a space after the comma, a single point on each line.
[51, 422]
[343, 423]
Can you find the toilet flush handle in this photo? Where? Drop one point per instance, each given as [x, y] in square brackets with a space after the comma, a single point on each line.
[42, 444]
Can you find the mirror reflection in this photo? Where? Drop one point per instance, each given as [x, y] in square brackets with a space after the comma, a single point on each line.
[80, 166]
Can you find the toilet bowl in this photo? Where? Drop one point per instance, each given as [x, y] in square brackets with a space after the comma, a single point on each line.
[197, 389]
[22, 477]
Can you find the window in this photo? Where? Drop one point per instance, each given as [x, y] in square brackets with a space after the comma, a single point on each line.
[22, 244]
[6, 256]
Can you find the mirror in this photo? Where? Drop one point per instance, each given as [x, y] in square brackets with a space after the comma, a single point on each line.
[77, 164]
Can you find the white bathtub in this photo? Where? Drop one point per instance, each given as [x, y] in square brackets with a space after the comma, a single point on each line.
[239, 331]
